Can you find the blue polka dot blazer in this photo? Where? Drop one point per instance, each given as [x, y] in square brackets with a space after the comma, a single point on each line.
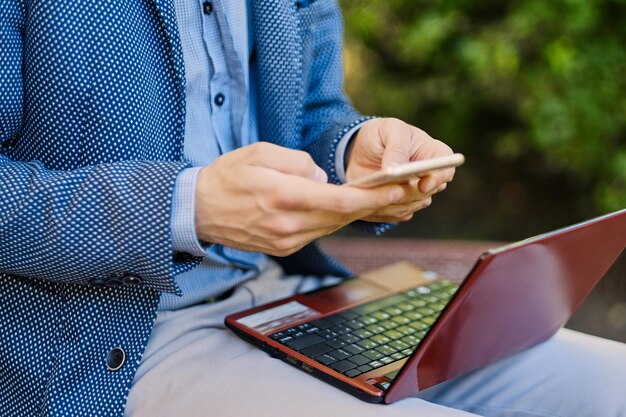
[91, 129]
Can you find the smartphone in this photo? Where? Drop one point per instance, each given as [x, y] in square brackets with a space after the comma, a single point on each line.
[400, 174]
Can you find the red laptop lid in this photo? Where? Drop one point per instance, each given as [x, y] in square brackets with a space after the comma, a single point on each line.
[515, 297]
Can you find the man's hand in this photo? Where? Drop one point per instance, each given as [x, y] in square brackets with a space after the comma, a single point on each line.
[270, 199]
[382, 143]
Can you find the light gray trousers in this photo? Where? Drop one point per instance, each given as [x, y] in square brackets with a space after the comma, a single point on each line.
[193, 367]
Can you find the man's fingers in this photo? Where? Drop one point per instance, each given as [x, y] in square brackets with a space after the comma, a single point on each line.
[396, 136]
[428, 184]
[296, 193]
[400, 212]
[432, 183]
[290, 244]
[285, 160]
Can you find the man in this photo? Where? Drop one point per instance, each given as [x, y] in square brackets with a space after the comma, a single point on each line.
[138, 206]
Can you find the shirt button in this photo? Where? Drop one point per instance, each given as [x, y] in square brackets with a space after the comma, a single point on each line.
[207, 7]
[116, 359]
[219, 99]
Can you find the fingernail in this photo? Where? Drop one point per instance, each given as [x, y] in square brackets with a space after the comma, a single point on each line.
[320, 175]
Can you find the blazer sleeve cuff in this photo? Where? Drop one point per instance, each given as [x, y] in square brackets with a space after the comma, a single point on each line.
[337, 161]
[340, 153]
[338, 172]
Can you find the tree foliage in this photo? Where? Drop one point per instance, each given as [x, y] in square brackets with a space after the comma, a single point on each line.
[533, 92]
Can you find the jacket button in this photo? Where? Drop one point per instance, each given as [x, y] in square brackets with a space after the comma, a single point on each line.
[116, 359]
[132, 280]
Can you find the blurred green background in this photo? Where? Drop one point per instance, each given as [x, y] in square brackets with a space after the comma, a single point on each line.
[533, 92]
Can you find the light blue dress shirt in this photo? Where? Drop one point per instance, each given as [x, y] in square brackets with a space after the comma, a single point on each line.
[217, 39]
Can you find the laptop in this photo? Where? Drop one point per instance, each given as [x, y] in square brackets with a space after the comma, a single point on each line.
[385, 336]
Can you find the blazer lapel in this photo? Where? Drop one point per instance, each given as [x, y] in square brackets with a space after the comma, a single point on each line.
[167, 13]
[279, 63]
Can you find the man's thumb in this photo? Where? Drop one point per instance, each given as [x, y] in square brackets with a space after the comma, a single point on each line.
[395, 153]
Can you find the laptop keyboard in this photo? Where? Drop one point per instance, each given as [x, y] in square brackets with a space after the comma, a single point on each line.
[372, 335]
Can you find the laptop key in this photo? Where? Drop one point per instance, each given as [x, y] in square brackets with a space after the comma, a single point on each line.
[423, 290]
[388, 325]
[401, 319]
[316, 350]
[418, 325]
[406, 306]
[410, 340]
[438, 307]
[342, 366]
[351, 373]
[369, 320]
[336, 343]
[418, 303]
[354, 349]
[277, 336]
[375, 364]
[387, 360]
[380, 315]
[362, 333]
[327, 334]
[405, 330]
[326, 359]
[364, 368]
[305, 342]
[380, 304]
[349, 338]
[340, 354]
[426, 311]
[376, 328]
[354, 324]
[359, 360]
[340, 329]
[367, 343]
[393, 334]
[386, 350]
[373, 354]
[398, 355]
[393, 311]
[414, 315]
[399, 344]
[381, 339]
